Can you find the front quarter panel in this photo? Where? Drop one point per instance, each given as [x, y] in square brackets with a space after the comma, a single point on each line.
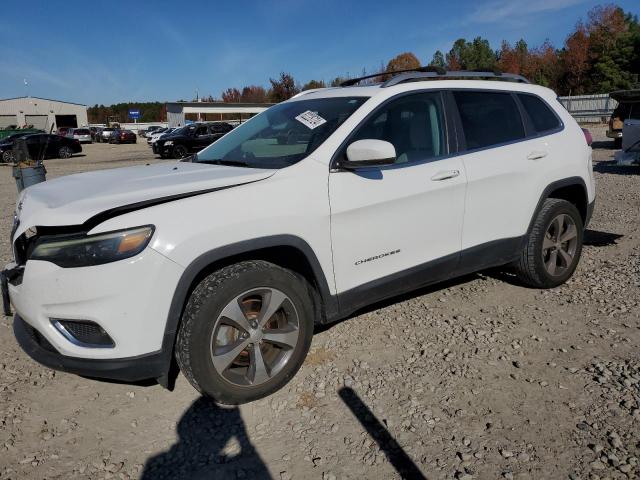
[294, 202]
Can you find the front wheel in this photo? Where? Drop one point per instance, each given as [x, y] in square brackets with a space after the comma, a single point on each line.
[553, 246]
[8, 156]
[245, 331]
[65, 152]
[180, 151]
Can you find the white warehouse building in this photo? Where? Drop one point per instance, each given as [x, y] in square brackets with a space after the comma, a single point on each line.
[42, 113]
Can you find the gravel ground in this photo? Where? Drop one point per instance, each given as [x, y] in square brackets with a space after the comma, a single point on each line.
[476, 378]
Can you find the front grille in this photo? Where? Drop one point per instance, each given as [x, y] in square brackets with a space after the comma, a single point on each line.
[83, 333]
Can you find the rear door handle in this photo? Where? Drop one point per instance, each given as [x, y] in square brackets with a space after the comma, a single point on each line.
[445, 175]
[536, 155]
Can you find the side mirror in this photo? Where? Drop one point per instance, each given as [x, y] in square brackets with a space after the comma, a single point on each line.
[369, 153]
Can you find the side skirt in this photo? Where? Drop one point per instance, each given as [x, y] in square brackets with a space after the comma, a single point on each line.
[479, 257]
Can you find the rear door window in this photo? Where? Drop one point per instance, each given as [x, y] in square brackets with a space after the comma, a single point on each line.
[541, 115]
[488, 118]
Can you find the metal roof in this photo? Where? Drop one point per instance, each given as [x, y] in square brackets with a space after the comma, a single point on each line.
[41, 98]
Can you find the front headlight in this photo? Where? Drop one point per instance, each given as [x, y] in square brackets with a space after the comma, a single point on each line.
[168, 142]
[86, 250]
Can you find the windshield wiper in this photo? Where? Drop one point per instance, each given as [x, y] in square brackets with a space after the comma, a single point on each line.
[229, 163]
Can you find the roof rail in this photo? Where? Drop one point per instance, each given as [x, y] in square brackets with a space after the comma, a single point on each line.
[453, 74]
[428, 68]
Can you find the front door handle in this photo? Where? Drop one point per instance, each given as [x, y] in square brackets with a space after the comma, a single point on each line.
[445, 175]
[536, 155]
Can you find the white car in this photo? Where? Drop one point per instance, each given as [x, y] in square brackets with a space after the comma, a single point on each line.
[83, 135]
[153, 138]
[313, 209]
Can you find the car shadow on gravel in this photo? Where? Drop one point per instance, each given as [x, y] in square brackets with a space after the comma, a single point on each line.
[396, 456]
[613, 168]
[402, 298]
[212, 443]
[596, 238]
[592, 238]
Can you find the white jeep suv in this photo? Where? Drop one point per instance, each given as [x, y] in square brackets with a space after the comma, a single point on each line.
[221, 265]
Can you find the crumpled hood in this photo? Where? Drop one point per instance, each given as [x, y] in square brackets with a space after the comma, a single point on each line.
[73, 199]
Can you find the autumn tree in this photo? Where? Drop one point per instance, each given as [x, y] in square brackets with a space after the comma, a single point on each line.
[575, 60]
[513, 59]
[282, 88]
[231, 95]
[403, 61]
[253, 94]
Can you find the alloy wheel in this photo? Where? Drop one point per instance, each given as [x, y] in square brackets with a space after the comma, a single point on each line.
[65, 152]
[559, 245]
[254, 336]
[8, 156]
[179, 151]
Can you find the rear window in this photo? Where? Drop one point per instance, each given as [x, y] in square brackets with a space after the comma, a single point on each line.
[488, 118]
[541, 115]
[625, 111]
[81, 131]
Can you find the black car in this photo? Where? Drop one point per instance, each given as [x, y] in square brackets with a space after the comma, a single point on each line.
[190, 139]
[40, 146]
[123, 136]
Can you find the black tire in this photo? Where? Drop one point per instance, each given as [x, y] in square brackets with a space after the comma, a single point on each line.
[531, 268]
[211, 296]
[65, 152]
[8, 156]
[617, 143]
[180, 151]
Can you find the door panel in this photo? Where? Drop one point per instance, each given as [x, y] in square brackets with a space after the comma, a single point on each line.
[391, 219]
[500, 184]
[502, 172]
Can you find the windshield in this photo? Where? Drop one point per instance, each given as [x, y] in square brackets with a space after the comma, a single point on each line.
[282, 135]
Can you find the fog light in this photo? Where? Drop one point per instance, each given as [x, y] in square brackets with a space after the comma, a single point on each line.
[83, 333]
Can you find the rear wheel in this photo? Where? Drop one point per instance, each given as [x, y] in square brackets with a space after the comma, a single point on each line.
[180, 151]
[245, 331]
[65, 152]
[553, 247]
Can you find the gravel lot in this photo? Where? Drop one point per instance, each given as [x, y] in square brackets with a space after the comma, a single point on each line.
[476, 378]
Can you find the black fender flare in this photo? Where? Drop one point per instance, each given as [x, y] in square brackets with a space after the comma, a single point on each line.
[191, 272]
[565, 182]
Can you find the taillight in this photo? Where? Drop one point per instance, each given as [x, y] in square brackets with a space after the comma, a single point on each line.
[587, 136]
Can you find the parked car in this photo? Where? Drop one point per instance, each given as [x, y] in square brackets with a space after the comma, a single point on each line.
[123, 136]
[323, 204]
[41, 146]
[158, 135]
[628, 108]
[190, 139]
[151, 130]
[83, 135]
[155, 134]
[104, 134]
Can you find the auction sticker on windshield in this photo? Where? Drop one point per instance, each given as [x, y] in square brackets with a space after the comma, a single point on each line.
[310, 119]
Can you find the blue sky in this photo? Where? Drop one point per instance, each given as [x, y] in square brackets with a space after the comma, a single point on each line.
[108, 52]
